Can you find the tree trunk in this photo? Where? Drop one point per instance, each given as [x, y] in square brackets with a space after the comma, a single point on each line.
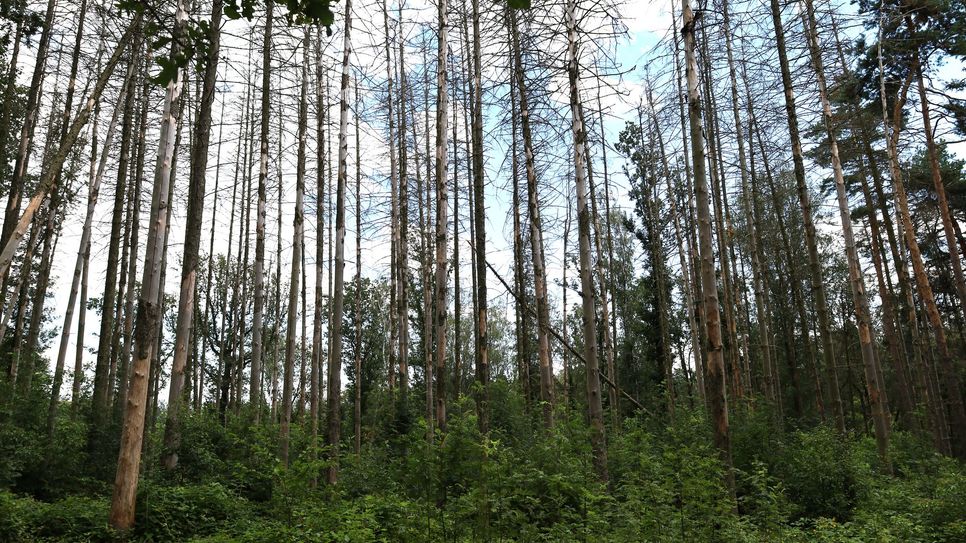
[479, 238]
[338, 286]
[814, 264]
[148, 314]
[951, 382]
[717, 399]
[192, 242]
[536, 232]
[863, 316]
[442, 211]
[83, 252]
[297, 236]
[257, 339]
[594, 406]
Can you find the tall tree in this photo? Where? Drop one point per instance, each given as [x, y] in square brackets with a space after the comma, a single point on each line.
[811, 244]
[592, 367]
[192, 240]
[442, 209]
[715, 379]
[148, 311]
[338, 286]
[536, 229]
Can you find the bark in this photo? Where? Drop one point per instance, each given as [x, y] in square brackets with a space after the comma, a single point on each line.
[257, 326]
[756, 260]
[715, 379]
[874, 388]
[814, 264]
[951, 383]
[536, 232]
[31, 113]
[479, 237]
[192, 242]
[148, 313]
[942, 202]
[335, 355]
[83, 253]
[357, 414]
[594, 405]
[297, 238]
[129, 303]
[442, 210]
[402, 249]
[321, 115]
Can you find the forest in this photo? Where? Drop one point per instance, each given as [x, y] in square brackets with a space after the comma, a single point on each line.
[466, 271]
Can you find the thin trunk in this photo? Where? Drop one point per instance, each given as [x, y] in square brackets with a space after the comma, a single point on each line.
[863, 316]
[814, 264]
[83, 252]
[255, 394]
[951, 382]
[442, 210]
[192, 242]
[536, 233]
[335, 355]
[297, 238]
[357, 415]
[717, 399]
[594, 405]
[479, 238]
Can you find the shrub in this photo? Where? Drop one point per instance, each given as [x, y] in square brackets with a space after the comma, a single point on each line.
[173, 513]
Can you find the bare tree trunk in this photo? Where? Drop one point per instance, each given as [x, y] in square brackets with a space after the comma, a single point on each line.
[479, 238]
[717, 399]
[129, 308]
[298, 225]
[951, 382]
[442, 210]
[814, 264]
[192, 241]
[320, 116]
[874, 388]
[522, 315]
[83, 252]
[31, 112]
[941, 201]
[402, 249]
[594, 406]
[335, 355]
[129, 458]
[357, 415]
[536, 232]
[257, 339]
[761, 303]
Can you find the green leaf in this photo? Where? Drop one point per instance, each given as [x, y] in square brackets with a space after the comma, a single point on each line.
[519, 4]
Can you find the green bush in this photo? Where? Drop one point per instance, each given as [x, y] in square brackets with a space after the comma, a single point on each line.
[820, 473]
[173, 513]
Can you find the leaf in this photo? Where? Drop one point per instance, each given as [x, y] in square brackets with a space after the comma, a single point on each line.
[519, 4]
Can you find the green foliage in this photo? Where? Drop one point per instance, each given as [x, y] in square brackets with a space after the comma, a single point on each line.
[820, 472]
[175, 512]
[518, 483]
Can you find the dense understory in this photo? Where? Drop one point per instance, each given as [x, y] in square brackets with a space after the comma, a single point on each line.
[519, 484]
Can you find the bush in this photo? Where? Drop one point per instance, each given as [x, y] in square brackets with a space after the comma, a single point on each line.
[820, 473]
[173, 513]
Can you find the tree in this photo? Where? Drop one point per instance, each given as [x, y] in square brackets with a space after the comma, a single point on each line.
[717, 400]
[335, 330]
